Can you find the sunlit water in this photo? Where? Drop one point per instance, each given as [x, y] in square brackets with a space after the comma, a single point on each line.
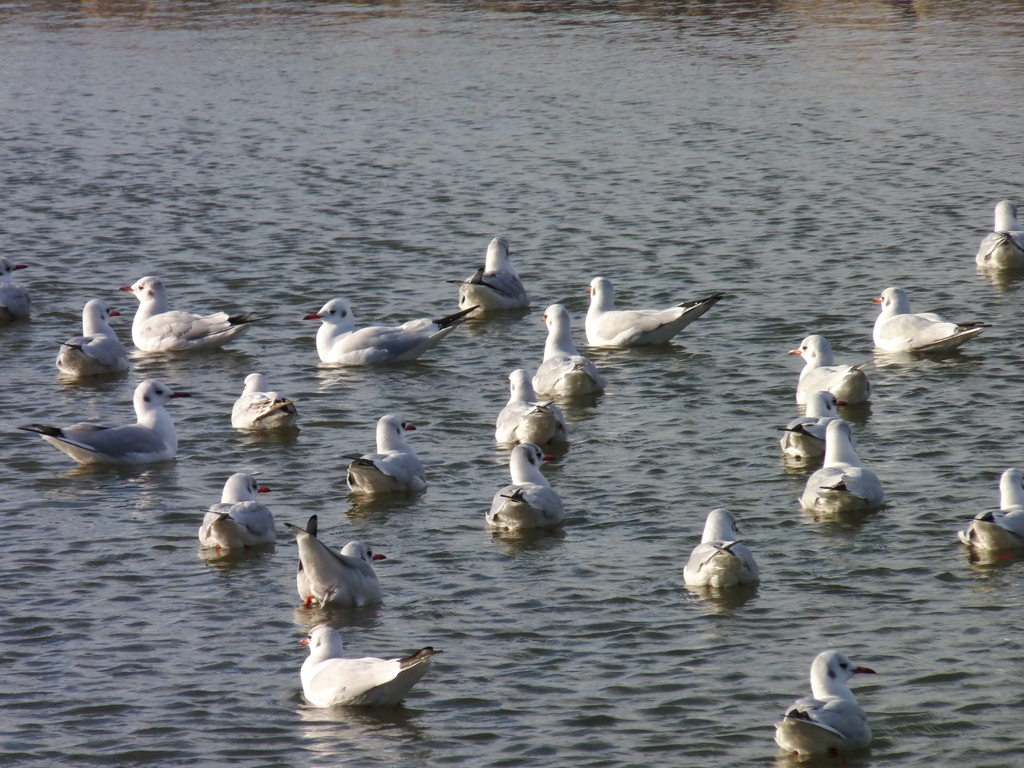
[270, 156]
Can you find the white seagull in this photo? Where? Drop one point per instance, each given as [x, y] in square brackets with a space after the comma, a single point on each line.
[1004, 247]
[15, 302]
[842, 484]
[524, 420]
[394, 467]
[495, 285]
[331, 681]
[152, 439]
[721, 559]
[608, 327]
[158, 329]
[338, 341]
[259, 408]
[529, 502]
[897, 330]
[847, 382]
[804, 436]
[239, 520]
[1001, 529]
[829, 720]
[565, 371]
[97, 350]
[326, 577]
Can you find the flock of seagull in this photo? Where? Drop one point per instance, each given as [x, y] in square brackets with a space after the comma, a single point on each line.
[828, 721]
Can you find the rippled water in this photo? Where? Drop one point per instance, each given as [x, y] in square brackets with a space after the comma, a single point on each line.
[270, 156]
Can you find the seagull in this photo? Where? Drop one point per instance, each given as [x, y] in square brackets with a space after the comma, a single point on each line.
[495, 285]
[331, 681]
[394, 467]
[1001, 529]
[896, 330]
[15, 302]
[607, 327]
[842, 484]
[565, 371]
[324, 576]
[157, 329]
[239, 520]
[847, 382]
[721, 559]
[524, 420]
[97, 350]
[829, 720]
[259, 408]
[805, 436]
[1004, 247]
[529, 502]
[151, 439]
[339, 342]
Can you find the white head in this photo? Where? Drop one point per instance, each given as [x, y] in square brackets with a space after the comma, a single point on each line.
[148, 290]
[821, 405]
[1006, 217]
[815, 350]
[894, 301]
[6, 268]
[361, 551]
[95, 315]
[602, 295]
[497, 256]
[336, 313]
[831, 671]
[255, 382]
[521, 386]
[391, 433]
[241, 487]
[324, 642]
[524, 464]
[152, 394]
[1011, 489]
[839, 445]
[559, 340]
[720, 526]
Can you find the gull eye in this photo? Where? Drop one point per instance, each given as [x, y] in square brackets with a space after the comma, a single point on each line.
[843, 664]
[331, 312]
[343, 313]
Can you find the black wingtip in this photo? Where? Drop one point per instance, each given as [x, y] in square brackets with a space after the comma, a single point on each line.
[311, 525]
[444, 322]
[43, 429]
[248, 317]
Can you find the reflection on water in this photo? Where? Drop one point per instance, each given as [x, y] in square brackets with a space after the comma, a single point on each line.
[334, 732]
[529, 540]
[1005, 280]
[725, 601]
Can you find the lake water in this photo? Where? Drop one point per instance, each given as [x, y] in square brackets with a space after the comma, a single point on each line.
[269, 156]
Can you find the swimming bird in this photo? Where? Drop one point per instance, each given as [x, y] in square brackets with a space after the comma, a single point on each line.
[608, 327]
[897, 330]
[847, 382]
[152, 439]
[239, 520]
[331, 681]
[804, 436]
[495, 285]
[97, 350]
[338, 341]
[15, 301]
[524, 420]
[829, 720]
[721, 559]
[1004, 247]
[564, 372]
[529, 502]
[259, 408]
[394, 467]
[842, 484]
[1001, 529]
[159, 329]
[326, 577]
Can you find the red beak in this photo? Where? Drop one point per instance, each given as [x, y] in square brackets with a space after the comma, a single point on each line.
[864, 670]
[314, 316]
[263, 489]
[794, 352]
[549, 457]
[588, 289]
[20, 266]
[304, 641]
[410, 428]
[114, 313]
[379, 556]
[841, 402]
[180, 394]
[125, 288]
[879, 300]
